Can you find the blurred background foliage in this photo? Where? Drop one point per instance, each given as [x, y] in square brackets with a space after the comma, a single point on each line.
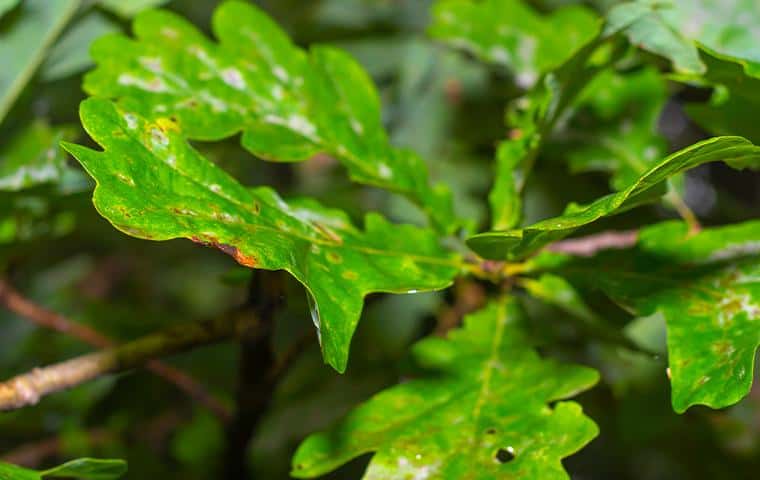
[444, 104]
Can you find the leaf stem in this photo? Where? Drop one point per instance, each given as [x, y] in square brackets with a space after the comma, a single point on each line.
[686, 213]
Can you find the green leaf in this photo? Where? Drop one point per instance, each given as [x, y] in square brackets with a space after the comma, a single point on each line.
[152, 184]
[557, 291]
[483, 399]
[71, 53]
[32, 157]
[512, 34]
[130, 8]
[735, 151]
[289, 105]
[12, 472]
[83, 468]
[707, 287]
[532, 120]
[25, 41]
[89, 469]
[670, 28]
[7, 5]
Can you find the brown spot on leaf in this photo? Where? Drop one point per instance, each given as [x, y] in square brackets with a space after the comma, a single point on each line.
[334, 257]
[350, 275]
[231, 250]
[240, 257]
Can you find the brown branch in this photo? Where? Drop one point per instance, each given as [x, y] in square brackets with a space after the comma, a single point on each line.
[592, 244]
[28, 388]
[17, 303]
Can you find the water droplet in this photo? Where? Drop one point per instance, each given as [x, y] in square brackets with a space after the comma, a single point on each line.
[314, 310]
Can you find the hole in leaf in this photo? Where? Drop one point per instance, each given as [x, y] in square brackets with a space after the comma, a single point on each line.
[491, 431]
[504, 455]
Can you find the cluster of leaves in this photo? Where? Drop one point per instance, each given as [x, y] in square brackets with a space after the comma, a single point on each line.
[589, 90]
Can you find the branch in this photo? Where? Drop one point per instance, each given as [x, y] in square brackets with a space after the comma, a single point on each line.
[24, 307]
[28, 388]
[592, 244]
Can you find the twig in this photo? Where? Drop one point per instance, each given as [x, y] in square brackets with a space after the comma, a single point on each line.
[686, 213]
[28, 388]
[24, 307]
[592, 244]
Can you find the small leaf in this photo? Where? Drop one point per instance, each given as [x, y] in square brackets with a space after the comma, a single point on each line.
[130, 8]
[152, 184]
[557, 291]
[24, 43]
[707, 287]
[480, 413]
[735, 151]
[88, 469]
[670, 28]
[32, 157]
[290, 105]
[512, 34]
[82, 468]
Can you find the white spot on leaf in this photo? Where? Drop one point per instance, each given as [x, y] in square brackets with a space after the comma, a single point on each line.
[233, 78]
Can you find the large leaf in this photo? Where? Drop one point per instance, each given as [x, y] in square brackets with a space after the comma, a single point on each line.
[670, 28]
[289, 105]
[24, 42]
[707, 286]
[152, 184]
[32, 157]
[82, 468]
[735, 151]
[512, 34]
[480, 411]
